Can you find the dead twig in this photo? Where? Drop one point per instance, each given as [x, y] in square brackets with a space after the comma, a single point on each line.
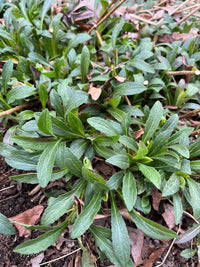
[195, 132]
[106, 16]
[17, 108]
[60, 257]
[184, 72]
[179, 6]
[143, 20]
[189, 14]
[190, 114]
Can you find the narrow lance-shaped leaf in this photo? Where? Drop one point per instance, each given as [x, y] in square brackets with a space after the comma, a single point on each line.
[58, 206]
[152, 121]
[85, 61]
[188, 235]
[103, 126]
[194, 189]
[6, 73]
[120, 238]
[40, 243]
[171, 186]
[46, 163]
[73, 163]
[129, 190]
[96, 179]
[44, 122]
[121, 161]
[46, 6]
[86, 218]
[178, 208]
[103, 241]
[151, 228]
[151, 174]
[75, 123]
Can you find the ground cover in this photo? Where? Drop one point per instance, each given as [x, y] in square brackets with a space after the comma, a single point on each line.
[99, 133]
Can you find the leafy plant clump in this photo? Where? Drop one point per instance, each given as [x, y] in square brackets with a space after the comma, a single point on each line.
[98, 97]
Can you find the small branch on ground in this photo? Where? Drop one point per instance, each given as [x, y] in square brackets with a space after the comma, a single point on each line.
[184, 72]
[190, 114]
[106, 16]
[17, 108]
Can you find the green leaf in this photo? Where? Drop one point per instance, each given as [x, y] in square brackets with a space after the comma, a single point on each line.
[94, 178]
[129, 190]
[86, 218]
[104, 151]
[78, 147]
[35, 57]
[46, 163]
[188, 253]
[44, 122]
[85, 62]
[73, 163]
[121, 161]
[152, 121]
[62, 130]
[7, 72]
[142, 151]
[178, 208]
[120, 238]
[20, 92]
[195, 149]
[43, 94]
[86, 260]
[159, 142]
[141, 65]
[128, 142]
[171, 186]
[103, 241]
[75, 123]
[181, 149]
[56, 102]
[151, 228]
[33, 143]
[6, 227]
[78, 39]
[151, 174]
[46, 6]
[188, 235]
[104, 126]
[170, 124]
[31, 178]
[58, 206]
[40, 243]
[106, 140]
[115, 180]
[195, 165]
[194, 190]
[129, 88]
[116, 31]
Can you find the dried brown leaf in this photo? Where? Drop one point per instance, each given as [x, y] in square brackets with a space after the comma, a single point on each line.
[169, 216]
[37, 260]
[29, 217]
[94, 92]
[156, 199]
[157, 253]
[136, 238]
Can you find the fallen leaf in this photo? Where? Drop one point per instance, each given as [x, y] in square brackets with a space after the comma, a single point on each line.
[94, 92]
[136, 238]
[156, 198]
[157, 253]
[138, 133]
[169, 216]
[30, 217]
[37, 260]
[125, 214]
[120, 79]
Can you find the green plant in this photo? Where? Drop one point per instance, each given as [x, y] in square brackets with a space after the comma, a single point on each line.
[70, 130]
